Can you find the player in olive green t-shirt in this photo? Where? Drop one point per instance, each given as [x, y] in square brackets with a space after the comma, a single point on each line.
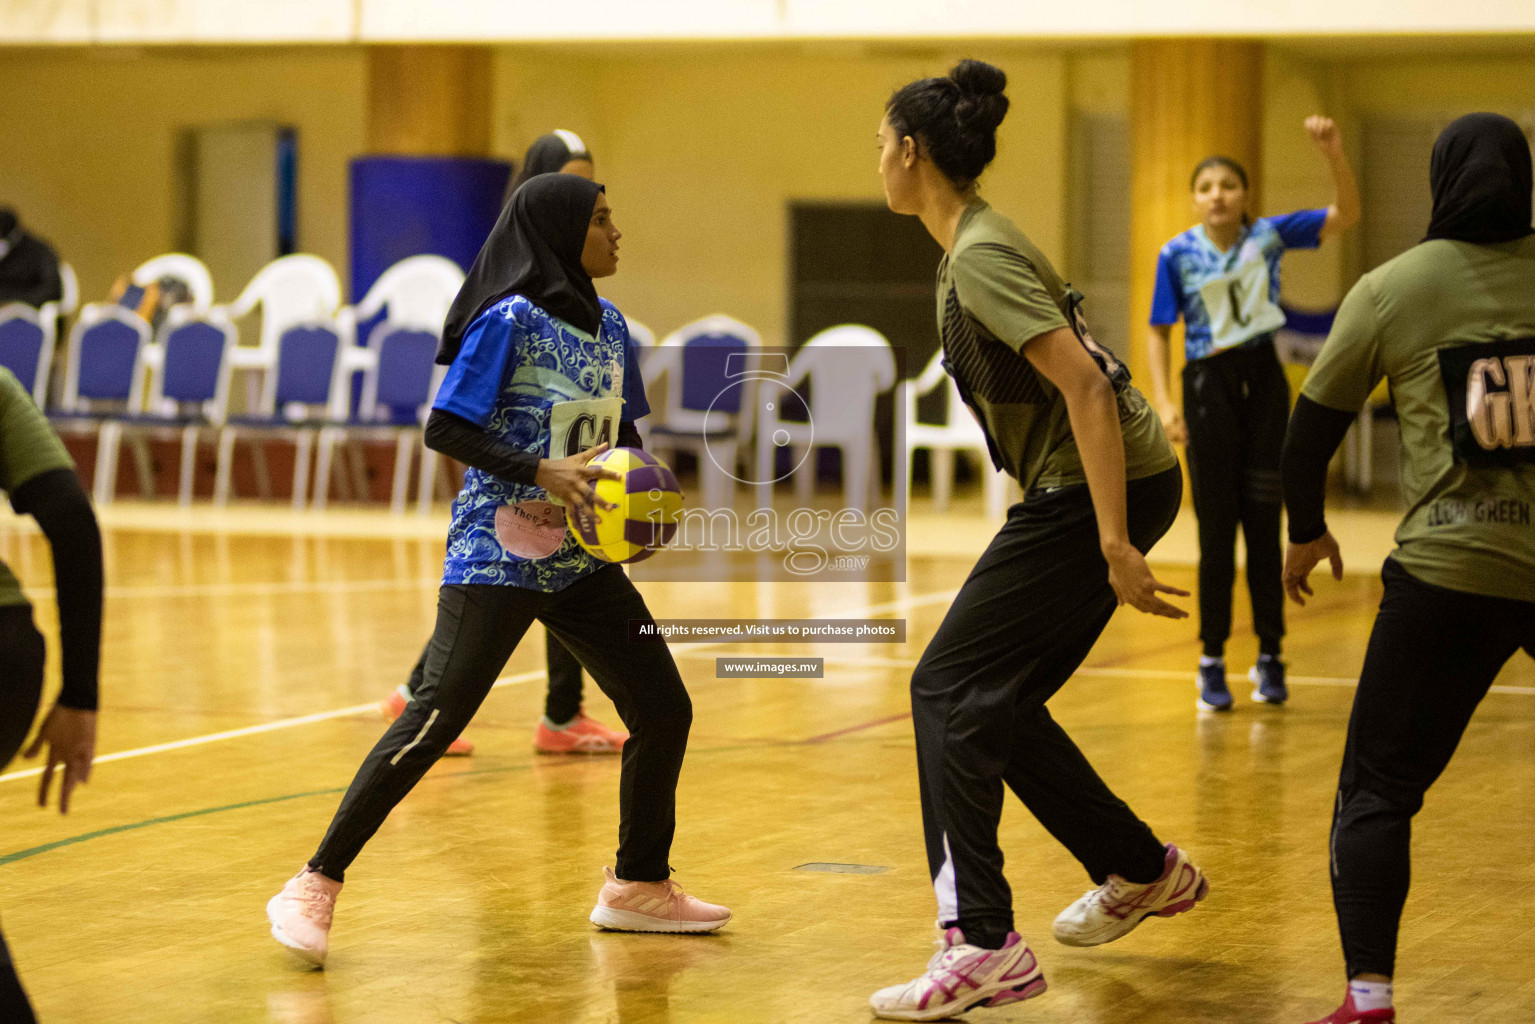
[1101, 486]
[37, 475]
[1451, 324]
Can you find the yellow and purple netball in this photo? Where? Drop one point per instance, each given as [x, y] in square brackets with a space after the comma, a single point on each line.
[649, 503]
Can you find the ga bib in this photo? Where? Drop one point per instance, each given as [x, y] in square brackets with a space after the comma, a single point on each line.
[582, 423]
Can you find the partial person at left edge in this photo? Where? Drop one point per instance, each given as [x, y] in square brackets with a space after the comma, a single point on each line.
[39, 478]
[29, 268]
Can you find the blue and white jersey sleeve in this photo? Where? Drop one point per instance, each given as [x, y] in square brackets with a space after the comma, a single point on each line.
[1166, 298]
[1301, 229]
[474, 380]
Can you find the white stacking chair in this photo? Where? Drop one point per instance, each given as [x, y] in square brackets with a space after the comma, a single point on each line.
[688, 371]
[958, 433]
[189, 270]
[847, 368]
[69, 295]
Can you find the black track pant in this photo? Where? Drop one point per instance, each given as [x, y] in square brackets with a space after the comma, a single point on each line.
[1023, 622]
[478, 627]
[21, 687]
[1236, 405]
[562, 703]
[1433, 653]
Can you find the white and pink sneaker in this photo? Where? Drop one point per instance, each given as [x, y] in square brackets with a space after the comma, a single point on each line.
[1112, 910]
[301, 914]
[653, 907]
[960, 977]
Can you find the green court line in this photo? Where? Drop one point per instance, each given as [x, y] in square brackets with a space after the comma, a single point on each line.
[34, 851]
[11, 858]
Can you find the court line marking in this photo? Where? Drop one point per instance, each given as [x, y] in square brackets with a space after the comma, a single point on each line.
[252, 730]
[33, 851]
[682, 651]
[915, 601]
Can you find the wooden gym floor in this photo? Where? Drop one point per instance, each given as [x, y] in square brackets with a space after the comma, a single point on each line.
[244, 652]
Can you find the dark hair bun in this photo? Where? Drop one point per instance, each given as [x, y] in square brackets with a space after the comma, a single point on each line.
[979, 78]
[956, 117]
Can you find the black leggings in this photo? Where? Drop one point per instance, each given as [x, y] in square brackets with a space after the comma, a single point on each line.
[1023, 622]
[1236, 405]
[21, 688]
[1433, 653]
[478, 627]
[562, 702]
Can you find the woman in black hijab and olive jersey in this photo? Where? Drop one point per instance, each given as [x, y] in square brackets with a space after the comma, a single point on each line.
[1451, 324]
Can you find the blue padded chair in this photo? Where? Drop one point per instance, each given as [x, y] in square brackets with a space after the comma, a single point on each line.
[690, 369]
[189, 389]
[299, 398]
[396, 396]
[27, 343]
[103, 378]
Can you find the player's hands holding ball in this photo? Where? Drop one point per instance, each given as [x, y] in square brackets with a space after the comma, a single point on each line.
[1134, 584]
[573, 481]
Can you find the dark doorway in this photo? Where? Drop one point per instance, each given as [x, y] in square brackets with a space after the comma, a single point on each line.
[858, 263]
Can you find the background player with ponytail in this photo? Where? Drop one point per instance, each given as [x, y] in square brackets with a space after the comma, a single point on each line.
[1222, 277]
[1101, 486]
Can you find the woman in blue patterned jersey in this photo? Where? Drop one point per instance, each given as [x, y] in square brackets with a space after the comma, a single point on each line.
[565, 728]
[1222, 277]
[534, 390]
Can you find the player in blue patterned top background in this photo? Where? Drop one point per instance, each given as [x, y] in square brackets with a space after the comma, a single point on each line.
[535, 389]
[1222, 277]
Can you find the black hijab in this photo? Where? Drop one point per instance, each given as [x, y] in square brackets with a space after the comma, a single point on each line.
[1480, 174]
[534, 250]
[548, 155]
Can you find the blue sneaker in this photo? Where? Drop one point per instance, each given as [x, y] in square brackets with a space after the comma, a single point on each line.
[1268, 678]
[1213, 692]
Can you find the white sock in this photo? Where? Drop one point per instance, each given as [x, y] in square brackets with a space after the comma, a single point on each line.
[1205, 661]
[556, 726]
[1370, 995]
[404, 691]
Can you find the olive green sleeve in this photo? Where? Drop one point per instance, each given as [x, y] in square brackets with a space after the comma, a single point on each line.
[1349, 365]
[28, 445]
[1000, 287]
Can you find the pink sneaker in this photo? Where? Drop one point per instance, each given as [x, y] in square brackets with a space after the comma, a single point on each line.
[393, 706]
[653, 907]
[582, 736]
[301, 914]
[960, 977]
[1347, 1014]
